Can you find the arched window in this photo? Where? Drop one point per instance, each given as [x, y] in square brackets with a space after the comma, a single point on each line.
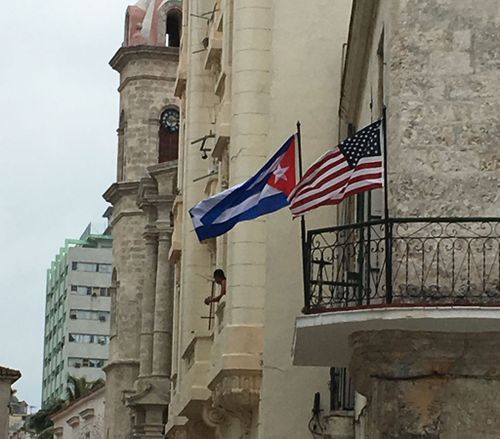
[169, 135]
[173, 37]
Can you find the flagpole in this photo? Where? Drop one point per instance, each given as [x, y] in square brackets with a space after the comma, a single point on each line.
[388, 224]
[303, 238]
[384, 129]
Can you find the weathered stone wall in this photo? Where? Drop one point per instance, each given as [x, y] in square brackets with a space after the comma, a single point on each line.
[444, 101]
[4, 406]
[428, 385]
[146, 88]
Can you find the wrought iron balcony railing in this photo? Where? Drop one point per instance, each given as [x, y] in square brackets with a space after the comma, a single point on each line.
[403, 261]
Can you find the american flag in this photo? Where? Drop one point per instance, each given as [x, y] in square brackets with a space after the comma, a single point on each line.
[354, 166]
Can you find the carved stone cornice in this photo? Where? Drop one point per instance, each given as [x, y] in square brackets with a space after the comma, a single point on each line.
[126, 54]
[165, 175]
[120, 363]
[120, 189]
[236, 389]
[146, 192]
[164, 167]
[151, 391]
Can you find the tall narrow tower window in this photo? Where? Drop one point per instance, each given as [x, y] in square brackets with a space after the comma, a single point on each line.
[168, 136]
[173, 37]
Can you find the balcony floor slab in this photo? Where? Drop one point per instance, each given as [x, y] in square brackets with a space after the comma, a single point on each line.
[323, 339]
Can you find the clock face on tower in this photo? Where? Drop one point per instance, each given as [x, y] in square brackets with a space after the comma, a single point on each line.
[170, 120]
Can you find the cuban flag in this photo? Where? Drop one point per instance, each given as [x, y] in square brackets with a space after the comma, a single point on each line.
[265, 192]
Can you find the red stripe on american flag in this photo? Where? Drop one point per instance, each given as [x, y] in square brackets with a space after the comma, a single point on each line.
[339, 188]
[331, 202]
[335, 182]
[319, 188]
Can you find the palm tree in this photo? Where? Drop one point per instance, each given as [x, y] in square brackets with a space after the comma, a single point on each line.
[79, 386]
[40, 422]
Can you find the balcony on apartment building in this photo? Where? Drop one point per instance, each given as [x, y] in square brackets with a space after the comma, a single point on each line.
[410, 274]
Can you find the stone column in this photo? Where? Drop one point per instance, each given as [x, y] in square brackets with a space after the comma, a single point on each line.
[148, 302]
[162, 337]
[428, 385]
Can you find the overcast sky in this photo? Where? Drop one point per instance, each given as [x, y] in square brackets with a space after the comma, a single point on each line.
[58, 120]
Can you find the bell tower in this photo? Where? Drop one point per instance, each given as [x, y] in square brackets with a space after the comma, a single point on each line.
[142, 197]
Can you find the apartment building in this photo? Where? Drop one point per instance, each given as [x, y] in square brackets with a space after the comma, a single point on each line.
[77, 313]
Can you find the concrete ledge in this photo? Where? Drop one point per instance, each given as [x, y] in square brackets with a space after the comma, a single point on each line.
[322, 339]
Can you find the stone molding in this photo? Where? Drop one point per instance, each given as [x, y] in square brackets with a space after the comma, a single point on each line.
[150, 392]
[236, 388]
[128, 80]
[120, 189]
[125, 54]
[86, 414]
[165, 167]
[73, 422]
[146, 191]
[119, 363]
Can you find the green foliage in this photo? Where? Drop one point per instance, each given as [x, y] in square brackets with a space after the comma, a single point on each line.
[78, 387]
[40, 422]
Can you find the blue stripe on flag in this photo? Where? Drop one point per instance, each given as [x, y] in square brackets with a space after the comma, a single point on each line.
[218, 214]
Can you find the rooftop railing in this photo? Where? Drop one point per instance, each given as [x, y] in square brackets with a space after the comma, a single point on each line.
[403, 262]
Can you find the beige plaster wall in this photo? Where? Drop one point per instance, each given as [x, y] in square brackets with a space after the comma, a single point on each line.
[306, 67]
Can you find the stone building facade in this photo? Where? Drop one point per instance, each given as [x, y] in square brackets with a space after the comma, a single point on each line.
[422, 324]
[138, 371]
[7, 378]
[82, 418]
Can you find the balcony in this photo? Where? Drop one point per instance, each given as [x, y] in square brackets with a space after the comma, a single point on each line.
[429, 274]
[434, 261]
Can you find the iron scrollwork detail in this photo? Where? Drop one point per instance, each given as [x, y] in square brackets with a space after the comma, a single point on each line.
[433, 261]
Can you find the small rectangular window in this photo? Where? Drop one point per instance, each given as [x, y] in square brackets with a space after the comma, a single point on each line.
[104, 268]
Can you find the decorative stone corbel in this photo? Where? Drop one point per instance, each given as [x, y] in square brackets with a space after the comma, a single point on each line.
[236, 393]
[212, 416]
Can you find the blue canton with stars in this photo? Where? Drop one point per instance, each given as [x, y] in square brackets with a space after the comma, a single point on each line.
[365, 143]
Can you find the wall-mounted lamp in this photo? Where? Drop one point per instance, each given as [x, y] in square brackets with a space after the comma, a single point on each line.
[203, 140]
